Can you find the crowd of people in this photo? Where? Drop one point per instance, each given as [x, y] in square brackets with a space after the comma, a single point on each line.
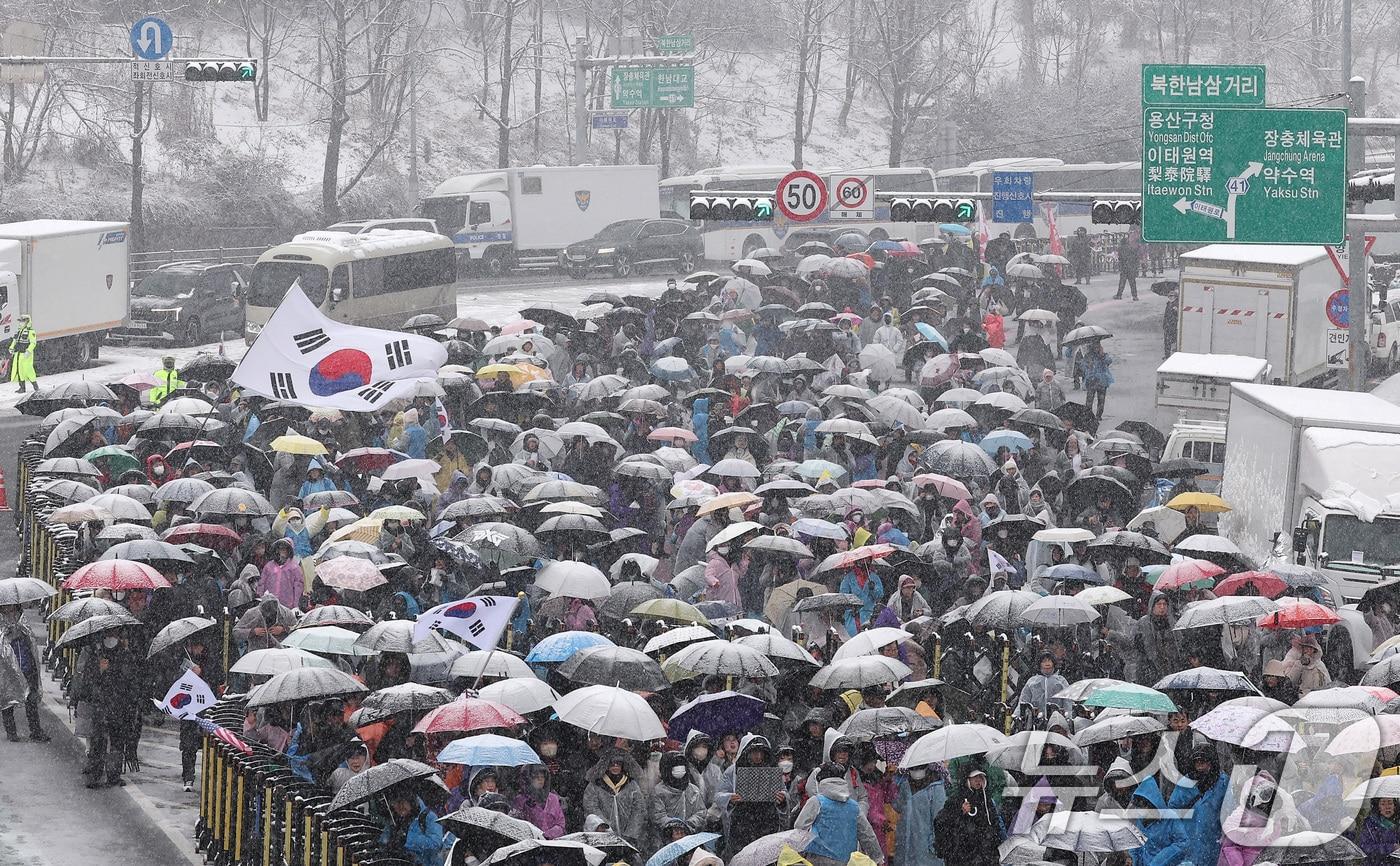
[792, 583]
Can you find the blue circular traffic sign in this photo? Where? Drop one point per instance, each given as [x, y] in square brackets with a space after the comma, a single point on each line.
[1339, 308]
[151, 38]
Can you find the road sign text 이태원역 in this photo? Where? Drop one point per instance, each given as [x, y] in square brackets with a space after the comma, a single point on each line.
[1012, 196]
[1200, 84]
[1247, 175]
[653, 87]
[801, 196]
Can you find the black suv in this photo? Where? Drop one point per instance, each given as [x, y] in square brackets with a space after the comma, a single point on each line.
[630, 244]
[186, 302]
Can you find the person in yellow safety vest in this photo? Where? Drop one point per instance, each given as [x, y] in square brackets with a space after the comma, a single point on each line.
[22, 354]
[167, 381]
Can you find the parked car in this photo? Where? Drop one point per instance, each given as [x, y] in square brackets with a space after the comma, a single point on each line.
[359, 227]
[628, 245]
[187, 302]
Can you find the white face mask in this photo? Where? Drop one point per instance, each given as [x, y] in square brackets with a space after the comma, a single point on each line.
[785, 765]
[296, 523]
[918, 774]
[110, 642]
[678, 772]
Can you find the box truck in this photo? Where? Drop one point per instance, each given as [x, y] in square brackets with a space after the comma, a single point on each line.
[1283, 304]
[70, 277]
[523, 217]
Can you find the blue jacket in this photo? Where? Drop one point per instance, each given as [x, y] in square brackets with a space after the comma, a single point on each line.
[1095, 368]
[871, 594]
[700, 426]
[309, 487]
[1203, 827]
[834, 833]
[1167, 839]
[426, 842]
[415, 440]
[914, 832]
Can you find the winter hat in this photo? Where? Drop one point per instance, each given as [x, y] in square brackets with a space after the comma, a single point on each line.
[1275, 668]
[907, 580]
[410, 416]
[1009, 466]
[990, 499]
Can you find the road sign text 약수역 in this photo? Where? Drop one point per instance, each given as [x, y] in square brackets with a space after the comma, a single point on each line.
[1012, 196]
[653, 87]
[1246, 175]
[1201, 84]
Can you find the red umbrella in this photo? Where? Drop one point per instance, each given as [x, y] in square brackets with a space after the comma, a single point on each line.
[1189, 571]
[847, 558]
[1298, 613]
[368, 460]
[210, 535]
[1266, 584]
[468, 714]
[116, 574]
[947, 487]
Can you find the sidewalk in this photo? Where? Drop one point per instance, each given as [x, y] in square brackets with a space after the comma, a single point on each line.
[155, 789]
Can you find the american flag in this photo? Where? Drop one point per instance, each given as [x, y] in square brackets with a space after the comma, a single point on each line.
[223, 734]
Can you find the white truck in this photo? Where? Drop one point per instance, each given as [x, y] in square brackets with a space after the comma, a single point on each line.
[71, 278]
[1282, 304]
[523, 217]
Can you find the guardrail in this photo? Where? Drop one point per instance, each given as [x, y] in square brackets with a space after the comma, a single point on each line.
[143, 263]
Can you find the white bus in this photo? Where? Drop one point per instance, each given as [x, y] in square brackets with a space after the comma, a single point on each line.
[378, 279]
[1051, 175]
[728, 241]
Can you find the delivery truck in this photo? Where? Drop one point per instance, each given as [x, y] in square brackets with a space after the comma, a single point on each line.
[1313, 477]
[71, 278]
[1284, 305]
[511, 218]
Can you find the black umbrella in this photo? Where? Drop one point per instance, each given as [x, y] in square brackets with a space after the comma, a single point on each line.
[207, 368]
[1124, 543]
[1165, 288]
[828, 601]
[485, 830]
[1018, 528]
[403, 698]
[1121, 474]
[624, 667]
[1151, 437]
[626, 596]
[1312, 847]
[550, 316]
[378, 779]
[1032, 417]
[1080, 414]
[1179, 467]
[1088, 489]
[473, 446]
[603, 298]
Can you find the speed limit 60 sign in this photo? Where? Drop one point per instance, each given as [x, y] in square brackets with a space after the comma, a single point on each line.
[851, 198]
[801, 196]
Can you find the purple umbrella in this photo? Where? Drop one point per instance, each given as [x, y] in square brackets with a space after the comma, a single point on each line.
[716, 715]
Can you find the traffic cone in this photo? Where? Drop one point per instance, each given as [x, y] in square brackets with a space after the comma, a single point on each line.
[4, 496]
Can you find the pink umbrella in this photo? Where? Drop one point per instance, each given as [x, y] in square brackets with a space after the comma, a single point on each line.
[468, 714]
[116, 575]
[948, 487]
[938, 369]
[350, 572]
[519, 327]
[670, 434]
[1189, 571]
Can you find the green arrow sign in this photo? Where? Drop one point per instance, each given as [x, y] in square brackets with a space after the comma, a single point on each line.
[1202, 84]
[1244, 175]
[653, 87]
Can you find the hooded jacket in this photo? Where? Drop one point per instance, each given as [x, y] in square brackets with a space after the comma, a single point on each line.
[676, 798]
[838, 824]
[830, 740]
[971, 838]
[622, 805]
[700, 426]
[706, 774]
[1167, 840]
[914, 835]
[542, 808]
[746, 821]
[1158, 647]
[1204, 799]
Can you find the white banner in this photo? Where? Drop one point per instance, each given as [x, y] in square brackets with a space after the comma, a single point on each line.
[303, 357]
[189, 695]
[479, 620]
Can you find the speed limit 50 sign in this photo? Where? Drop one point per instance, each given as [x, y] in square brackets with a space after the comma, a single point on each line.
[801, 196]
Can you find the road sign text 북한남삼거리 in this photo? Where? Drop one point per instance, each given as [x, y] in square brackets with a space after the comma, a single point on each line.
[1202, 84]
[1245, 175]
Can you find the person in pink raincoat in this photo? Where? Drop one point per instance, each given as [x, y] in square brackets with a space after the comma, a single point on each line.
[726, 566]
[282, 575]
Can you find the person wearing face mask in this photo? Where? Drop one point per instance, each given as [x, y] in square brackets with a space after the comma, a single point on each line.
[19, 675]
[704, 771]
[394, 538]
[157, 470]
[264, 625]
[292, 524]
[1305, 667]
[107, 696]
[919, 796]
[676, 796]
[615, 795]
[837, 822]
[282, 576]
[537, 803]
[745, 820]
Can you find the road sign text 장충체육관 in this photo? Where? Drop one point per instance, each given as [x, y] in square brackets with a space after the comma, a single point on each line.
[1202, 84]
[653, 87]
[1012, 196]
[1245, 175]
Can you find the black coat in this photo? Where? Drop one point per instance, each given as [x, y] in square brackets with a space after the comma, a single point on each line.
[968, 840]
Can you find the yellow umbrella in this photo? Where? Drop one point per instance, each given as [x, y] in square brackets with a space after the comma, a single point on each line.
[295, 443]
[726, 501]
[519, 374]
[365, 529]
[671, 608]
[1206, 503]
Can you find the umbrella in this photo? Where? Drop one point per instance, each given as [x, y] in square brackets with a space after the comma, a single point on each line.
[1107, 730]
[380, 778]
[482, 829]
[952, 741]
[403, 698]
[672, 609]
[122, 508]
[766, 850]
[870, 642]
[294, 443]
[232, 502]
[396, 636]
[675, 638]
[350, 573]
[734, 468]
[722, 658]
[958, 459]
[1224, 610]
[488, 750]
[1085, 334]
[71, 491]
[1187, 572]
[465, 714]
[1131, 696]
[79, 512]
[609, 711]
[147, 551]
[615, 666]
[949, 488]
[1206, 503]
[23, 590]
[717, 714]
[118, 575]
[1011, 439]
[325, 639]
[1022, 751]
[489, 663]
[1099, 595]
[1311, 846]
[305, 684]
[568, 579]
[1000, 610]
[674, 851]
[277, 660]
[866, 725]
[779, 648]
[560, 646]
[547, 852]
[1298, 613]
[1059, 611]
[859, 673]
[522, 694]
[1207, 679]
[1261, 583]
[1089, 831]
[828, 601]
[96, 625]
[172, 633]
[71, 466]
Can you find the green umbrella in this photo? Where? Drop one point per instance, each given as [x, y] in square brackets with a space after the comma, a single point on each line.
[1151, 573]
[1131, 696]
[120, 460]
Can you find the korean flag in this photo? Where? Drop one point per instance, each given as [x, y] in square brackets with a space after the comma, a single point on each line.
[188, 696]
[479, 620]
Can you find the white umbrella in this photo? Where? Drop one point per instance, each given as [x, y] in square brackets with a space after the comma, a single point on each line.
[953, 741]
[1382, 673]
[722, 658]
[1063, 535]
[1058, 611]
[893, 410]
[1097, 595]
[870, 642]
[775, 646]
[328, 639]
[942, 419]
[1022, 751]
[1223, 610]
[1166, 522]
[1366, 736]
[733, 531]
[678, 637]
[278, 660]
[1089, 831]
[879, 361]
[751, 267]
[1247, 721]
[524, 695]
[570, 579]
[857, 673]
[1118, 727]
[609, 711]
[305, 684]
[1080, 690]
[485, 663]
[1207, 544]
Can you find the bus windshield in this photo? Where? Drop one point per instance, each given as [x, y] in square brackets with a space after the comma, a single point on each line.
[272, 279]
[1352, 544]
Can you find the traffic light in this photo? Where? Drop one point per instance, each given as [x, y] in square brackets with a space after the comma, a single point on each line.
[1115, 213]
[244, 71]
[731, 208]
[933, 210]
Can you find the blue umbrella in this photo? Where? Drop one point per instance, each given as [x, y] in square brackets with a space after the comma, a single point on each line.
[931, 334]
[489, 750]
[954, 229]
[558, 647]
[681, 847]
[716, 715]
[814, 469]
[1072, 571]
[1013, 439]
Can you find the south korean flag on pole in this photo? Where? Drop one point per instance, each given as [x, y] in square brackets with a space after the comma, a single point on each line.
[188, 696]
[479, 620]
[303, 357]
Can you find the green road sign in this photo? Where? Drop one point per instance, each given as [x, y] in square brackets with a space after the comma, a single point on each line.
[653, 87]
[679, 44]
[1188, 84]
[1244, 175]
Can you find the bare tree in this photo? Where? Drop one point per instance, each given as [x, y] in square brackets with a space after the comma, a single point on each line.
[902, 67]
[805, 20]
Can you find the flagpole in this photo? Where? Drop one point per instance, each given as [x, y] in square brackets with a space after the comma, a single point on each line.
[491, 652]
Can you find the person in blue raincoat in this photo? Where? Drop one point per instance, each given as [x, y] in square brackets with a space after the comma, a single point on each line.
[316, 480]
[414, 830]
[920, 796]
[1202, 793]
[700, 426]
[1167, 839]
[414, 440]
[866, 586]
